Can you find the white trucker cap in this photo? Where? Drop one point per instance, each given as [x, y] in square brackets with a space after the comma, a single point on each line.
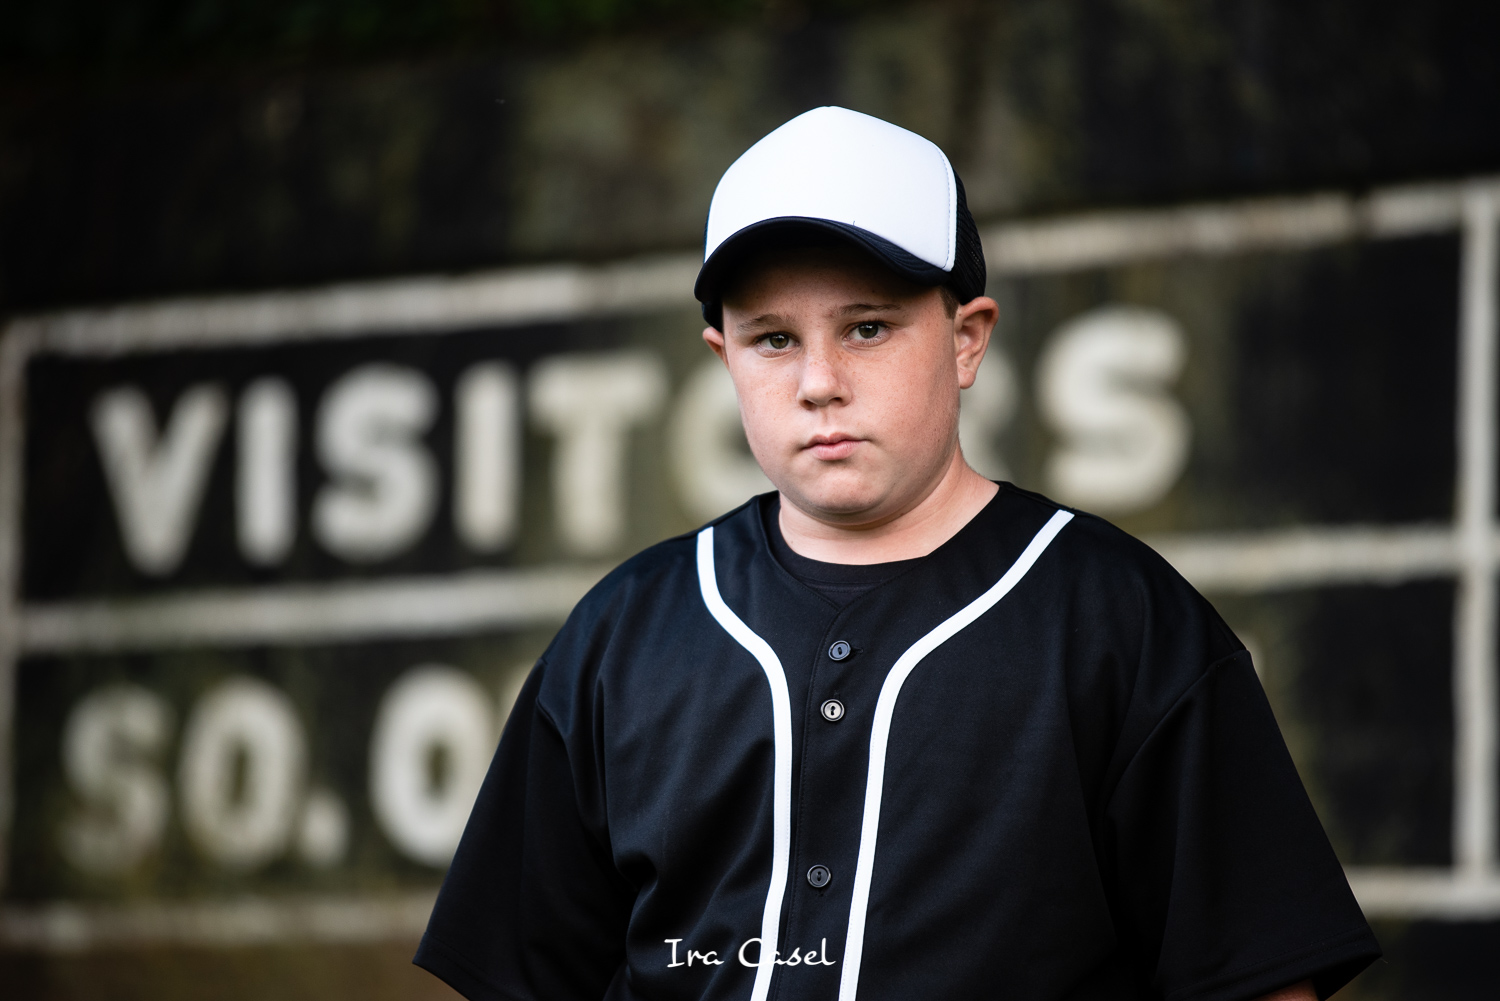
[841, 174]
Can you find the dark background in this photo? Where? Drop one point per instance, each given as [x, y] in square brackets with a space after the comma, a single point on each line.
[149, 148]
[162, 148]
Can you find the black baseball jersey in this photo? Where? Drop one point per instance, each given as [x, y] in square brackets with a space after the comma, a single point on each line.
[1035, 764]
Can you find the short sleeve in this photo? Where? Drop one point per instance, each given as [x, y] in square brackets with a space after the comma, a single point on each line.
[1226, 883]
[532, 906]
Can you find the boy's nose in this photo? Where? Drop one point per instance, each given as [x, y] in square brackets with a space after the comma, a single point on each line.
[823, 380]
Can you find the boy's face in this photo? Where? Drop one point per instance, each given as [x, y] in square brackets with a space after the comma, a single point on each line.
[848, 379]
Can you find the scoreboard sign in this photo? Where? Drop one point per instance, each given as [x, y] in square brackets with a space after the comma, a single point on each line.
[273, 567]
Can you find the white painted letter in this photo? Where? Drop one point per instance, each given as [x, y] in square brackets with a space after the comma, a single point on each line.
[108, 744]
[433, 738]
[383, 482]
[157, 482]
[1103, 383]
[241, 774]
[487, 456]
[714, 467]
[265, 489]
[590, 402]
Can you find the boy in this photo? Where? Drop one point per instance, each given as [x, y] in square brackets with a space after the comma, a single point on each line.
[894, 731]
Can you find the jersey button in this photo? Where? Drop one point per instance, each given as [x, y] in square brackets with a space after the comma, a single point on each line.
[833, 710]
[819, 876]
[840, 649]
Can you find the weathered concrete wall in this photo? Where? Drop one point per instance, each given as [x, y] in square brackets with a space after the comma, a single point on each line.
[612, 148]
[1292, 446]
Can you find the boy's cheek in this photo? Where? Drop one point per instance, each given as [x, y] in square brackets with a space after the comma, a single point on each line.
[770, 412]
[771, 442]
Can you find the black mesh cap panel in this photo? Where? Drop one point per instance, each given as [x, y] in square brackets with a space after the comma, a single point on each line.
[968, 278]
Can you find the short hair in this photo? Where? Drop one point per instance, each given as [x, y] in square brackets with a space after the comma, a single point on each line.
[808, 240]
[950, 300]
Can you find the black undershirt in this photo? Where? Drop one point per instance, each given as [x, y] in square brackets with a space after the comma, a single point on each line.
[840, 583]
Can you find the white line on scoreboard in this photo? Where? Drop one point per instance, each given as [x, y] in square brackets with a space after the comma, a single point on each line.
[452, 604]
[246, 921]
[478, 600]
[1101, 239]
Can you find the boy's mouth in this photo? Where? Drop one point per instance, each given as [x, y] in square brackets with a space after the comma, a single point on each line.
[832, 446]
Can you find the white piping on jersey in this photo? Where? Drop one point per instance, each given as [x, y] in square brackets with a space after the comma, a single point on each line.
[880, 732]
[781, 715]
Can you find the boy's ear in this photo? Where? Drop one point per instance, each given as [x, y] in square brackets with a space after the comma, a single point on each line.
[973, 323]
[714, 338]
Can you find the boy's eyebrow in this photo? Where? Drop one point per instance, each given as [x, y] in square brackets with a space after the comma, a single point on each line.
[770, 320]
[763, 320]
[869, 307]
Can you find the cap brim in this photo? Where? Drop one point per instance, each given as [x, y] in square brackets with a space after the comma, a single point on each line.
[785, 231]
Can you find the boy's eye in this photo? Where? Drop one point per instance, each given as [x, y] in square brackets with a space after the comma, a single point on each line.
[866, 331]
[778, 341]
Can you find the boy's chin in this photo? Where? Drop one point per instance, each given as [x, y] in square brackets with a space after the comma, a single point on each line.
[838, 494]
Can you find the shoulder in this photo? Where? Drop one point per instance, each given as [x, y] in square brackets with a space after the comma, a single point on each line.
[654, 592]
[1111, 578]
[1089, 547]
[641, 577]
[660, 573]
[1137, 636]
